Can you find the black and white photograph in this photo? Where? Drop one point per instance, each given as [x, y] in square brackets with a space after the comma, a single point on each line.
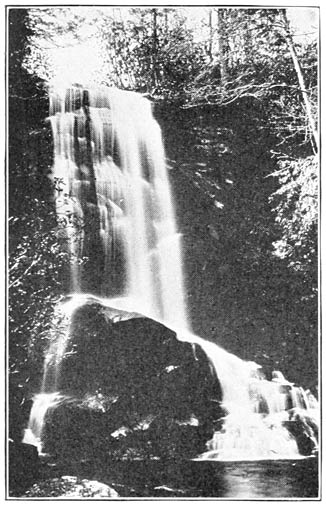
[163, 327]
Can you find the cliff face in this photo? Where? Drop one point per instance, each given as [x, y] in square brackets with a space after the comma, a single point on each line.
[240, 295]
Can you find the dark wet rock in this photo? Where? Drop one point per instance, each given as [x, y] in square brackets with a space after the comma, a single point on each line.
[23, 467]
[305, 431]
[70, 487]
[19, 412]
[133, 390]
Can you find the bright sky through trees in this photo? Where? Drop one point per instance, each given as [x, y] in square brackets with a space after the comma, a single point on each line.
[80, 63]
[80, 60]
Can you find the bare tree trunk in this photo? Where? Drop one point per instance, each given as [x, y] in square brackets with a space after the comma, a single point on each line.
[210, 39]
[304, 93]
[221, 45]
[166, 22]
[154, 49]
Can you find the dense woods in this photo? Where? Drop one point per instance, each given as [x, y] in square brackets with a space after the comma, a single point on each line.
[236, 93]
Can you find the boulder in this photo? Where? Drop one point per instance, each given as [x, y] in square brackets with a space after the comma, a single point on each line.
[305, 431]
[23, 467]
[132, 388]
[70, 487]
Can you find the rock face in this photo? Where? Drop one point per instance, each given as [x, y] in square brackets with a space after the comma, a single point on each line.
[23, 467]
[305, 431]
[132, 390]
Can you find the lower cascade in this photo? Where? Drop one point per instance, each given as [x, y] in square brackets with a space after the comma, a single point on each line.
[123, 357]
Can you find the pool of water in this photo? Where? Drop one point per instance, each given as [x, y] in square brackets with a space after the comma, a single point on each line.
[206, 479]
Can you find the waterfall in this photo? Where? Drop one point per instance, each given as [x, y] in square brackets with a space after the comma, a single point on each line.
[115, 208]
[113, 185]
[257, 410]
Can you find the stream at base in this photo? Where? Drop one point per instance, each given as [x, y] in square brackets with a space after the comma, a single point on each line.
[204, 479]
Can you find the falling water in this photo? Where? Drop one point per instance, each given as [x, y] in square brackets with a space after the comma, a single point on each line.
[109, 167]
[115, 207]
[256, 410]
[43, 402]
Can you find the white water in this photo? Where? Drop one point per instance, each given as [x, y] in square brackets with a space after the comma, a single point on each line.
[133, 200]
[42, 403]
[125, 184]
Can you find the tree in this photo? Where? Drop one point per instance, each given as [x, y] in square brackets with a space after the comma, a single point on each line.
[258, 60]
[301, 81]
[295, 204]
[260, 64]
[149, 50]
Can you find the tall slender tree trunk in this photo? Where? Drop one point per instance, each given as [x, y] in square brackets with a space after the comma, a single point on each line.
[166, 22]
[304, 93]
[210, 39]
[154, 49]
[221, 41]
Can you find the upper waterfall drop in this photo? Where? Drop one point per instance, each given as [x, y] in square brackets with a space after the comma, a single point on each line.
[113, 194]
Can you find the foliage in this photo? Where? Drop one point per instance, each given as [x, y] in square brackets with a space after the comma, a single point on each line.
[163, 52]
[253, 61]
[296, 207]
[149, 50]
[37, 261]
[259, 63]
[245, 54]
[51, 32]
